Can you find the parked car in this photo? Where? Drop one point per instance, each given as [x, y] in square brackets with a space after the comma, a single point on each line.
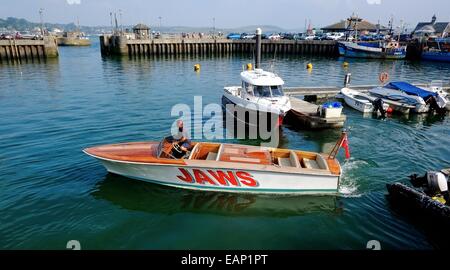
[274, 37]
[320, 37]
[247, 36]
[6, 36]
[289, 36]
[309, 37]
[234, 36]
[334, 36]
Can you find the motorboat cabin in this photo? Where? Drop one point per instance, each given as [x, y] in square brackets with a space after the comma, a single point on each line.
[261, 92]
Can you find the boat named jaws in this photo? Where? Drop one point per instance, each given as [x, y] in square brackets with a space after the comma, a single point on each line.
[223, 167]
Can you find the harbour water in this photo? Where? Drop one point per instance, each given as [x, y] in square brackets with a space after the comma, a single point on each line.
[50, 192]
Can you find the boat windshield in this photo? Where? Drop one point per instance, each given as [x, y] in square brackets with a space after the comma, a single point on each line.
[268, 91]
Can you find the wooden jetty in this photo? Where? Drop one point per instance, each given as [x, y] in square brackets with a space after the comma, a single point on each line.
[122, 45]
[28, 49]
[305, 114]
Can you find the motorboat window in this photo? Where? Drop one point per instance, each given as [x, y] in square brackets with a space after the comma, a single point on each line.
[269, 91]
[276, 90]
[262, 91]
[248, 88]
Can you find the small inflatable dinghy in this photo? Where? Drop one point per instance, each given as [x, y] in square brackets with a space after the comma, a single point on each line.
[429, 194]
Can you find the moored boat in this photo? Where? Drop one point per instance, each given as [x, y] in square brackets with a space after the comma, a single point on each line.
[412, 95]
[260, 98]
[225, 167]
[440, 56]
[360, 101]
[429, 195]
[378, 50]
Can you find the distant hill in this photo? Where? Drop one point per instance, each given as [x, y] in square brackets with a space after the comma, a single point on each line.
[18, 24]
[248, 29]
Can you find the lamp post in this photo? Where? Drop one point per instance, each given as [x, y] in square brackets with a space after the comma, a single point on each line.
[214, 27]
[160, 18]
[120, 21]
[41, 11]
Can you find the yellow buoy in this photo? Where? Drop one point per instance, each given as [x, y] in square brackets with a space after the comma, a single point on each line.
[197, 67]
[249, 66]
[309, 66]
[345, 64]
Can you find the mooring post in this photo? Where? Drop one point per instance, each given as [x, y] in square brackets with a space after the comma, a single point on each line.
[258, 48]
[347, 79]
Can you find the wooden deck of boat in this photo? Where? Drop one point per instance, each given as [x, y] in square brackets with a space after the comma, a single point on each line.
[132, 152]
[305, 114]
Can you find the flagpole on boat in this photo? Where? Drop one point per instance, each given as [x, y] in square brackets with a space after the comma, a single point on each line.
[342, 142]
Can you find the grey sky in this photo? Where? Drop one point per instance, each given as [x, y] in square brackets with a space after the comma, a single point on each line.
[289, 14]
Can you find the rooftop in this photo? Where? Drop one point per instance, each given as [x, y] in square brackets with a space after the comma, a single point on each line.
[141, 26]
[361, 25]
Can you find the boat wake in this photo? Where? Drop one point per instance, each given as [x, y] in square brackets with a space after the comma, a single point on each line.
[349, 182]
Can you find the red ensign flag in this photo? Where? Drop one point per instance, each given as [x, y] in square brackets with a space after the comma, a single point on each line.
[344, 144]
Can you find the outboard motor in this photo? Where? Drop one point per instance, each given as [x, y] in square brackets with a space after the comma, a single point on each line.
[437, 104]
[437, 184]
[433, 183]
[378, 106]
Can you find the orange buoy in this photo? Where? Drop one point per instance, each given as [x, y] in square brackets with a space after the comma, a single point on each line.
[383, 77]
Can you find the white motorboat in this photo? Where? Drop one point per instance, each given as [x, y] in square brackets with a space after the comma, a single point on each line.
[360, 101]
[225, 167]
[260, 95]
[409, 94]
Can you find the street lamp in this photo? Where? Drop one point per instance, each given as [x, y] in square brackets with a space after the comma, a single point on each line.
[41, 11]
[160, 18]
[120, 20]
[214, 27]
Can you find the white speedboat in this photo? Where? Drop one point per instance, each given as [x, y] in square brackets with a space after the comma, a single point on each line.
[260, 95]
[360, 101]
[409, 94]
[225, 167]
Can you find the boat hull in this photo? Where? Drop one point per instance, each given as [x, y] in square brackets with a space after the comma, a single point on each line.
[247, 180]
[418, 201]
[398, 96]
[364, 107]
[249, 117]
[349, 50]
[436, 56]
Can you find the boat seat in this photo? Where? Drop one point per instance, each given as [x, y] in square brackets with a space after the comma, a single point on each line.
[211, 156]
[284, 162]
[294, 159]
[322, 163]
[291, 161]
[310, 164]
